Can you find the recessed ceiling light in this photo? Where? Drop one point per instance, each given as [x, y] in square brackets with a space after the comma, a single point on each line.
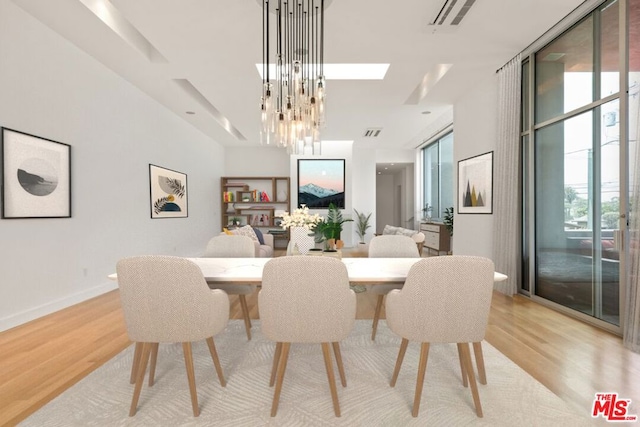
[379, 173]
[344, 71]
[386, 168]
[392, 164]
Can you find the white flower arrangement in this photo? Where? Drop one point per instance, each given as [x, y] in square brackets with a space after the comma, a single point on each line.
[300, 218]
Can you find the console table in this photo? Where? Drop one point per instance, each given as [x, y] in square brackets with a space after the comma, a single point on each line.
[436, 236]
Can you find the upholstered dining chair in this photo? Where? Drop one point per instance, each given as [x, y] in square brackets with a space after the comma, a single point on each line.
[166, 299]
[236, 246]
[306, 300]
[443, 300]
[389, 246]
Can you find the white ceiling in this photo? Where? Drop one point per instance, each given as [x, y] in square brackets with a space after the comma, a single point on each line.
[212, 46]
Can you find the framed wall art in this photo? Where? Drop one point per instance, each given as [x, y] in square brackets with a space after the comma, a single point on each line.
[168, 193]
[475, 184]
[36, 176]
[320, 182]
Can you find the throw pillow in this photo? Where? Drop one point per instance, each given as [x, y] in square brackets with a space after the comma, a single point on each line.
[226, 231]
[247, 230]
[259, 235]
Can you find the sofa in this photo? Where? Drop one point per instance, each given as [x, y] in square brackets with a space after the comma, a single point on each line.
[263, 241]
[417, 236]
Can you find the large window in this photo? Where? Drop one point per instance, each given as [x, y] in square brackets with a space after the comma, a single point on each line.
[437, 160]
[572, 151]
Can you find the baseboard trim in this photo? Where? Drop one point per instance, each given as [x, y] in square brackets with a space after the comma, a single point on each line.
[26, 316]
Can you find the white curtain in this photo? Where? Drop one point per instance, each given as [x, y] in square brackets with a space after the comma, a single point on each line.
[632, 309]
[506, 178]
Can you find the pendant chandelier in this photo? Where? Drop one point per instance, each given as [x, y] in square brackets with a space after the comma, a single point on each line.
[293, 96]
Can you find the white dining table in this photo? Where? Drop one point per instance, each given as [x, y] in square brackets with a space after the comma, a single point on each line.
[360, 270]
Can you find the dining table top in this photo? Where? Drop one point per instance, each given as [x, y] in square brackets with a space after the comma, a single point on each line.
[360, 270]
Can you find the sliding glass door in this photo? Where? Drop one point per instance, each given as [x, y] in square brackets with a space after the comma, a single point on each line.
[575, 189]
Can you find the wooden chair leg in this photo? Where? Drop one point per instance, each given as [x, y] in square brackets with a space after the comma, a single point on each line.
[482, 374]
[326, 352]
[336, 350]
[136, 361]
[245, 314]
[140, 371]
[188, 361]
[282, 366]
[216, 361]
[466, 357]
[154, 360]
[276, 359]
[396, 370]
[376, 316]
[465, 382]
[422, 368]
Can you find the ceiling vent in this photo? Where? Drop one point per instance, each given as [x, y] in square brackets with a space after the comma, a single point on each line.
[451, 12]
[372, 132]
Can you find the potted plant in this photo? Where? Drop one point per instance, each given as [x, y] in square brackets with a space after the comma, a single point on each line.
[448, 220]
[328, 230]
[235, 221]
[362, 224]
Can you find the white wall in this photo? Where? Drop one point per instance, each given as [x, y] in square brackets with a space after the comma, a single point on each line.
[52, 89]
[475, 130]
[363, 174]
[384, 201]
[256, 161]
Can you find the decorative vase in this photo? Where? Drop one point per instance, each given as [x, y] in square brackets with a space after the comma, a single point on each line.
[300, 236]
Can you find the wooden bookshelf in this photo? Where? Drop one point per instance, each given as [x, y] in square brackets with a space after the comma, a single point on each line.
[257, 201]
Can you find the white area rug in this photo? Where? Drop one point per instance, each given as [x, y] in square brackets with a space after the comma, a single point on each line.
[511, 397]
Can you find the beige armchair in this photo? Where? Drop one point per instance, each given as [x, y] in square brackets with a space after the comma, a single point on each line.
[262, 250]
[300, 305]
[389, 246]
[444, 300]
[225, 246]
[166, 299]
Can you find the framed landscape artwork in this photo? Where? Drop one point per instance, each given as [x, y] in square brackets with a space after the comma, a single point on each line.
[320, 182]
[36, 176]
[168, 193]
[475, 184]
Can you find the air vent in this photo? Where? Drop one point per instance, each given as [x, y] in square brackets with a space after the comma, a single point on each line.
[452, 12]
[372, 132]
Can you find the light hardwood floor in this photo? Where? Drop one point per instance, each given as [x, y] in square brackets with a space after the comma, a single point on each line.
[43, 358]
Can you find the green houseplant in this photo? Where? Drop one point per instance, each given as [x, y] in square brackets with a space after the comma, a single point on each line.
[329, 229]
[362, 224]
[448, 219]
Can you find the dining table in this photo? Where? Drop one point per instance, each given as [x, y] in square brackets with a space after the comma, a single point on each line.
[360, 270]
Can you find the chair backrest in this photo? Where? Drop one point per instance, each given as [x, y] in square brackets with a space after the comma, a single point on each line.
[166, 299]
[225, 246]
[306, 299]
[444, 299]
[393, 246]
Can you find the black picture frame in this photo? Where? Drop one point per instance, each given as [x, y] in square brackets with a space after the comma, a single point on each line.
[168, 193]
[475, 184]
[321, 182]
[36, 176]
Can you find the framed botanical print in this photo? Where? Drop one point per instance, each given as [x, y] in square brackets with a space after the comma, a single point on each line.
[168, 193]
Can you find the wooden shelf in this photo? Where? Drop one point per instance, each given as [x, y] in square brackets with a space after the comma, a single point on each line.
[234, 189]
